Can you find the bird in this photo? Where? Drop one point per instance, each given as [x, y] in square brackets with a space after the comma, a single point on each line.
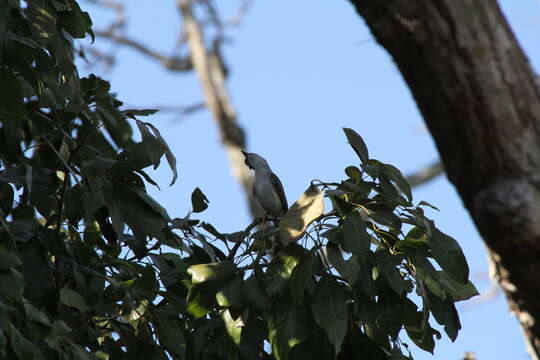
[267, 187]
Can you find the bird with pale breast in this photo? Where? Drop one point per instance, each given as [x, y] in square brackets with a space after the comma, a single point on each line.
[267, 187]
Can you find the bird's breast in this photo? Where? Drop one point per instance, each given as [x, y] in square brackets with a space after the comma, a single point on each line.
[267, 196]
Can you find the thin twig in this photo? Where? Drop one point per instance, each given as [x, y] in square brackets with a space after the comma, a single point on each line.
[247, 230]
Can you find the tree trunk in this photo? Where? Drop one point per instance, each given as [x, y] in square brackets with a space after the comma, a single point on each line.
[481, 101]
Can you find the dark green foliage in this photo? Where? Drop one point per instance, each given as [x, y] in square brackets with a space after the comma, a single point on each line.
[91, 267]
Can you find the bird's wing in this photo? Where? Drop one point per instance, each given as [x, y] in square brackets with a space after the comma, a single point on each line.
[281, 193]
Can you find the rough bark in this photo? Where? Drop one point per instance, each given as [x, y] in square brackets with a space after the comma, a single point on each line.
[481, 101]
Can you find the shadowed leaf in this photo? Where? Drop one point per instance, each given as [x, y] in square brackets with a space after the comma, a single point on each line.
[357, 143]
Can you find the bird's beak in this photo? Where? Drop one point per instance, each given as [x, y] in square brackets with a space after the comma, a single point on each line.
[246, 159]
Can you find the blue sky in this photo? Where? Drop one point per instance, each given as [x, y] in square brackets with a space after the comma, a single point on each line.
[300, 71]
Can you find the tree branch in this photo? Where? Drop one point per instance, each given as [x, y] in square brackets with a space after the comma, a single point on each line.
[426, 174]
[211, 73]
[173, 63]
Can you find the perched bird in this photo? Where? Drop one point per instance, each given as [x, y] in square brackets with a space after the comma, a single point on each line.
[267, 188]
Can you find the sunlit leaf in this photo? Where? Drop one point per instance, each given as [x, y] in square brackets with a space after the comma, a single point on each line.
[234, 323]
[201, 299]
[211, 272]
[305, 210]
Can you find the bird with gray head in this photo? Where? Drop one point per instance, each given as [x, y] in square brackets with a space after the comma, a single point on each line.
[267, 188]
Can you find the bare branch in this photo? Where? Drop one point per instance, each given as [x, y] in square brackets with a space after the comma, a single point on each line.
[99, 57]
[240, 14]
[180, 109]
[118, 8]
[173, 63]
[426, 174]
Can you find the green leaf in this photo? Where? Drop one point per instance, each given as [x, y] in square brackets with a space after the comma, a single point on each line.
[354, 173]
[230, 294]
[199, 201]
[415, 238]
[445, 314]
[76, 22]
[330, 310]
[72, 205]
[300, 275]
[36, 266]
[23, 348]
[425, 203]
[288, 326]
[387, 263]
[457, 290]
[280, 269]
[36, 315]
[9, 260]
[6, 197]
[304, 211]
[419, 332]
[349, 269]
[211, 272]
[365, 280]
[357, 143]
[429, 276]
[142, 154]
[448, 254]
[11, 98]
[356, 239]
[234, 323]
[73, 299]
[11, 283]
[201, 299]
[397, 177]
[255, 295]
[170, 335]
[362, 347]
[171, 159]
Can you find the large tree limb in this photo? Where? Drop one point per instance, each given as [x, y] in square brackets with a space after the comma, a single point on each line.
[481, 102]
